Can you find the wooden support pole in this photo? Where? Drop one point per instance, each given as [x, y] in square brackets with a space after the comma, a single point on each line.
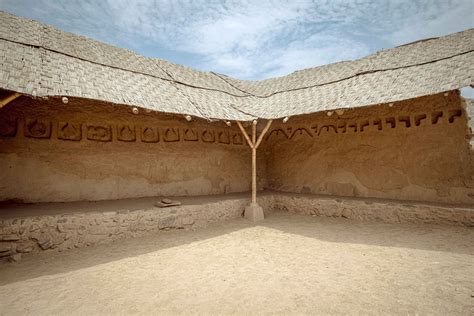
[254, 163]
[265, 130]
[253, 144]
[247, 138]
[9, 99]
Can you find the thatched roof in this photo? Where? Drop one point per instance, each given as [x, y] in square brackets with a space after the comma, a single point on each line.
[40, 60]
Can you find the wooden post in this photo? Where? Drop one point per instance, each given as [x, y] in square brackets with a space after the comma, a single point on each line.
[247, 138]
[265, 130]
[254, 162]
[9, 99]
[253, 144]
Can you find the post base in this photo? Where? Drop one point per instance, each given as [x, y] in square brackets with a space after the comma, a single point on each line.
[254, 212]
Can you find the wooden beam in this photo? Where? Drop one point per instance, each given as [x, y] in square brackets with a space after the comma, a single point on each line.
[254, 143]
[245, 134]
[265, 130]
[9, 99]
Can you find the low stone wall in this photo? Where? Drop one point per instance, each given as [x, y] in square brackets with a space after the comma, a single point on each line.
[35, 233]
[31, 234]
[374, 210]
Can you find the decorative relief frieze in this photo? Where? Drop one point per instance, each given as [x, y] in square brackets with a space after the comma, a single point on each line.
[237, 138]
[208, 136]
[391, 122]
[69, 131]
[172, 134]
[8, 127]
[342, 126]
[406, 120]
[436, 117]
[453, 114]
[300, 131]
[126, 133]
[277, 132]
[327, 129]
[419, 119]
[149, 134]
[190, 135]
[223, 137]
[378, 122]
[363, 126]
[73, 131]
[100, 133]
[37, 128]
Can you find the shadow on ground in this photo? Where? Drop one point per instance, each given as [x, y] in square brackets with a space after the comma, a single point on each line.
[451, 239]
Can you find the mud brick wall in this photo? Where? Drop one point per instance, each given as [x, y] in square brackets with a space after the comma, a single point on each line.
[411, 150]
[88, 150]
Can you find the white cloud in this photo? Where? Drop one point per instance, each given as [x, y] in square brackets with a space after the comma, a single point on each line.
[315, 51]
[261, 39]
[434, 20]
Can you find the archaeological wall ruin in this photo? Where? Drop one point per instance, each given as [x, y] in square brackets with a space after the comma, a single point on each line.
[89, 150]
[411, 150]
[30, 228]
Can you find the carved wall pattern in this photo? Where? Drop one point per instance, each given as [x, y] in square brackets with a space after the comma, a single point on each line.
[8, 127]
[69, 131]
[73, 131]
[342, 126]
[37, 128]
[100, 133]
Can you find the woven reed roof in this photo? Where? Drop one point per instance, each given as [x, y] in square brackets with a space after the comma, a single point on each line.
[40, 60]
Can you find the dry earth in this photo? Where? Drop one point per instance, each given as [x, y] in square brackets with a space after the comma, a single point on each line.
[287, 264]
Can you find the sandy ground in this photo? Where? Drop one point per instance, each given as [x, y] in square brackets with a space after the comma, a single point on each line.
[288, 264]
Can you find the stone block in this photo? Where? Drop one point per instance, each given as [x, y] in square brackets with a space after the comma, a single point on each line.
[15, 257]
[45, 244]
[34, 227]
[4, 247]
[167, 222]
[24, 247]
[188, 220]
[6, 253]
[254, 212]
[9, 238]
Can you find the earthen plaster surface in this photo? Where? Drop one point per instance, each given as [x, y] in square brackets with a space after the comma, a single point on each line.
[412, 150]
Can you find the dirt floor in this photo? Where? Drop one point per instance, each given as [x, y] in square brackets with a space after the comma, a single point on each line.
[286, 264]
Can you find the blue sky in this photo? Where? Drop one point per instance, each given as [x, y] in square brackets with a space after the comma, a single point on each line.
[251, 39]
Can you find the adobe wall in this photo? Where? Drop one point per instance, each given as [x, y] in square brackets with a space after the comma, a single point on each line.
[415, 150]
[87, 150]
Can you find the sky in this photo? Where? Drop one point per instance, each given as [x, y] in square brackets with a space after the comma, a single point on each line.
[254, 39]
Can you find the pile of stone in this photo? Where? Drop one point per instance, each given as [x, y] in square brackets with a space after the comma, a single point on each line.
[11, 249]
